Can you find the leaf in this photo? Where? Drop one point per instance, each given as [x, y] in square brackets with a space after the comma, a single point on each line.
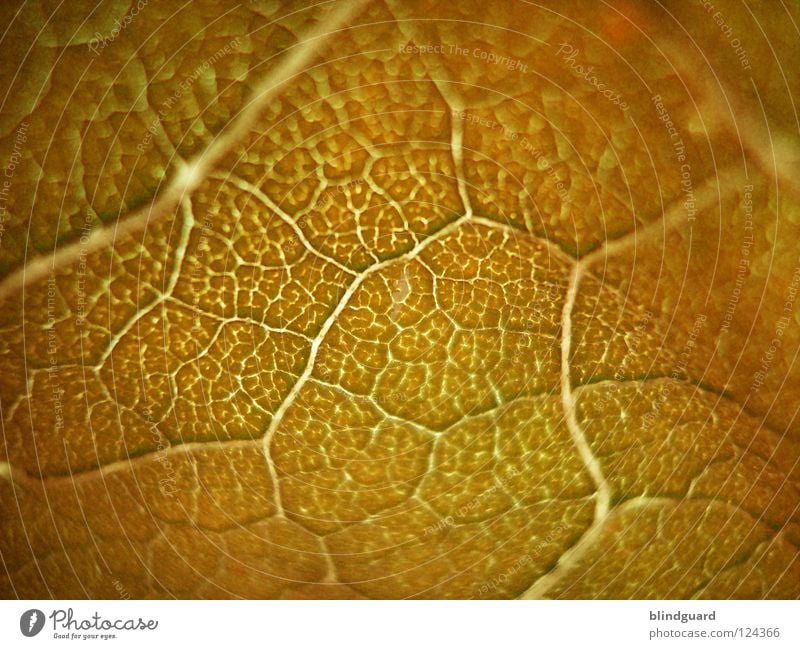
[436, 300]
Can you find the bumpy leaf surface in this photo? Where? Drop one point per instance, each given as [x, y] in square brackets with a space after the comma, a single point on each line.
[399, 299]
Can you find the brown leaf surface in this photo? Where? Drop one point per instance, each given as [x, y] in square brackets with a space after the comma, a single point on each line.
[399, 299]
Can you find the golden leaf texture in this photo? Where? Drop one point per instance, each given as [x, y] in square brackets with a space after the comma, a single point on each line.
[367, 299]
